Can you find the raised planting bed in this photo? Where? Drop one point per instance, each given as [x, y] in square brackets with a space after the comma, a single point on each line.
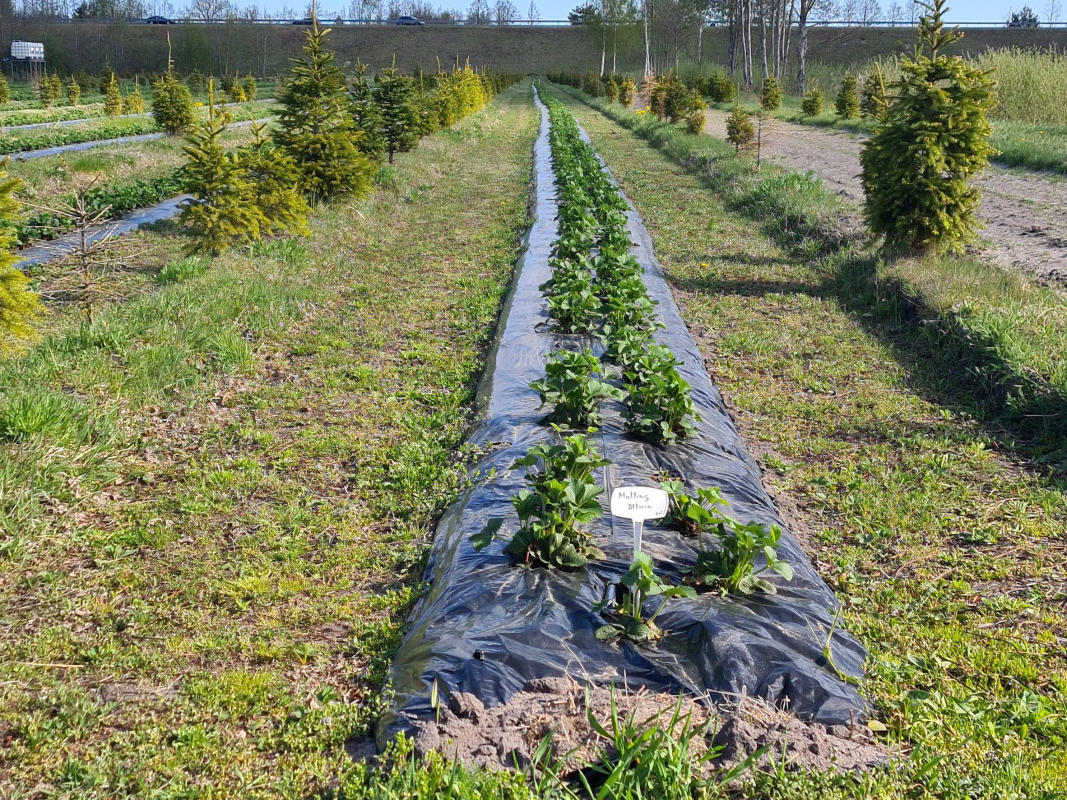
[519, 593]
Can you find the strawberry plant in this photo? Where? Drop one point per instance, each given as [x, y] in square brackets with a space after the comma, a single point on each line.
[732, 567]
[639, 583]
[693, 515]
[572, 387]
[562, 495]
[623, 346]
[627, 304]
[572, 300]
[658, 405]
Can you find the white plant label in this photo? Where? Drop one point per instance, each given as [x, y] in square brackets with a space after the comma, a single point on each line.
[639, 503]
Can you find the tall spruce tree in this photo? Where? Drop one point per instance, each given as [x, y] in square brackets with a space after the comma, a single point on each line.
[19, 307]
[931, 140]
[223, 210]
[315, 125]
[365, 114]
[395, 95]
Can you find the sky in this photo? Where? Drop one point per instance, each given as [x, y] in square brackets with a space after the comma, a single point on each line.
[960, 11]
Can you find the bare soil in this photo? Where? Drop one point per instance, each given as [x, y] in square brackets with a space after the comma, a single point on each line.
[1025, 215]
[507, 736]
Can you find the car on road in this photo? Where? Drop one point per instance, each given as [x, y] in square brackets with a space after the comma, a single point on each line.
[407, 19]
[305, 21]
[156, 19]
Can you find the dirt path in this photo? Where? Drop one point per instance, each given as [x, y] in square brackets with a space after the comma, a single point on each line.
[1025, 215]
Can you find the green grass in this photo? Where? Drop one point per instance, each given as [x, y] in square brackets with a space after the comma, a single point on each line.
[944, 543]
[215, 500]
[1006, 334]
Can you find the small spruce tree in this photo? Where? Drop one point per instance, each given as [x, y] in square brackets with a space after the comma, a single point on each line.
[250, 87]
[739, 129]
[223, 211]
[847, 102]
[368, 118]
[315, 126]
[627, 92]
[46, 91]
[771, 99]
[133, 103]
[106, 76]
[811, 105]
[720, 89]
[74, 92]
[874, 100]
[5, 90]
[113, 98]
[395, 97]
[930, 142]
[172, 104]
[275, 180]
[611, 89]
[19, 307]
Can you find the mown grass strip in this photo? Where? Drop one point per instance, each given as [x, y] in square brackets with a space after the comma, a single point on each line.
[216, 498]
[1002, 339]
[947, 552]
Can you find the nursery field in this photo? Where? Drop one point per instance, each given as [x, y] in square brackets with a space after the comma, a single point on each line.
[124, 176]
[97, 129]
[468, 435]
[203, 588]
[931, 520]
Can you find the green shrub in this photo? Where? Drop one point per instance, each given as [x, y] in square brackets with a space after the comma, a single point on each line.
[315, 126]
[275, 178]
[592, 85]
[106, 76]
[250, 88]
[694, 123]
[113, 99]
[46, 91]
[133, 103]
[847, 102]
[223, 211]
[196, 81]
[19, 307]
[739, 129]
[811, 105]
[563, 494]
[172, 104]
[918, 163]
[368, 119]
[395, 96]
[627, 92]
[74, 92]
[719, 88]
[611, 89]
[5, 90]
[771, 97]
[874, 101]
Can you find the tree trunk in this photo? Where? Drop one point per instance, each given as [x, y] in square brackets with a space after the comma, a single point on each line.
[802, 48]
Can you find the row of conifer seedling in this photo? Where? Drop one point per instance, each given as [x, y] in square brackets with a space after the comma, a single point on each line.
[597, 289]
